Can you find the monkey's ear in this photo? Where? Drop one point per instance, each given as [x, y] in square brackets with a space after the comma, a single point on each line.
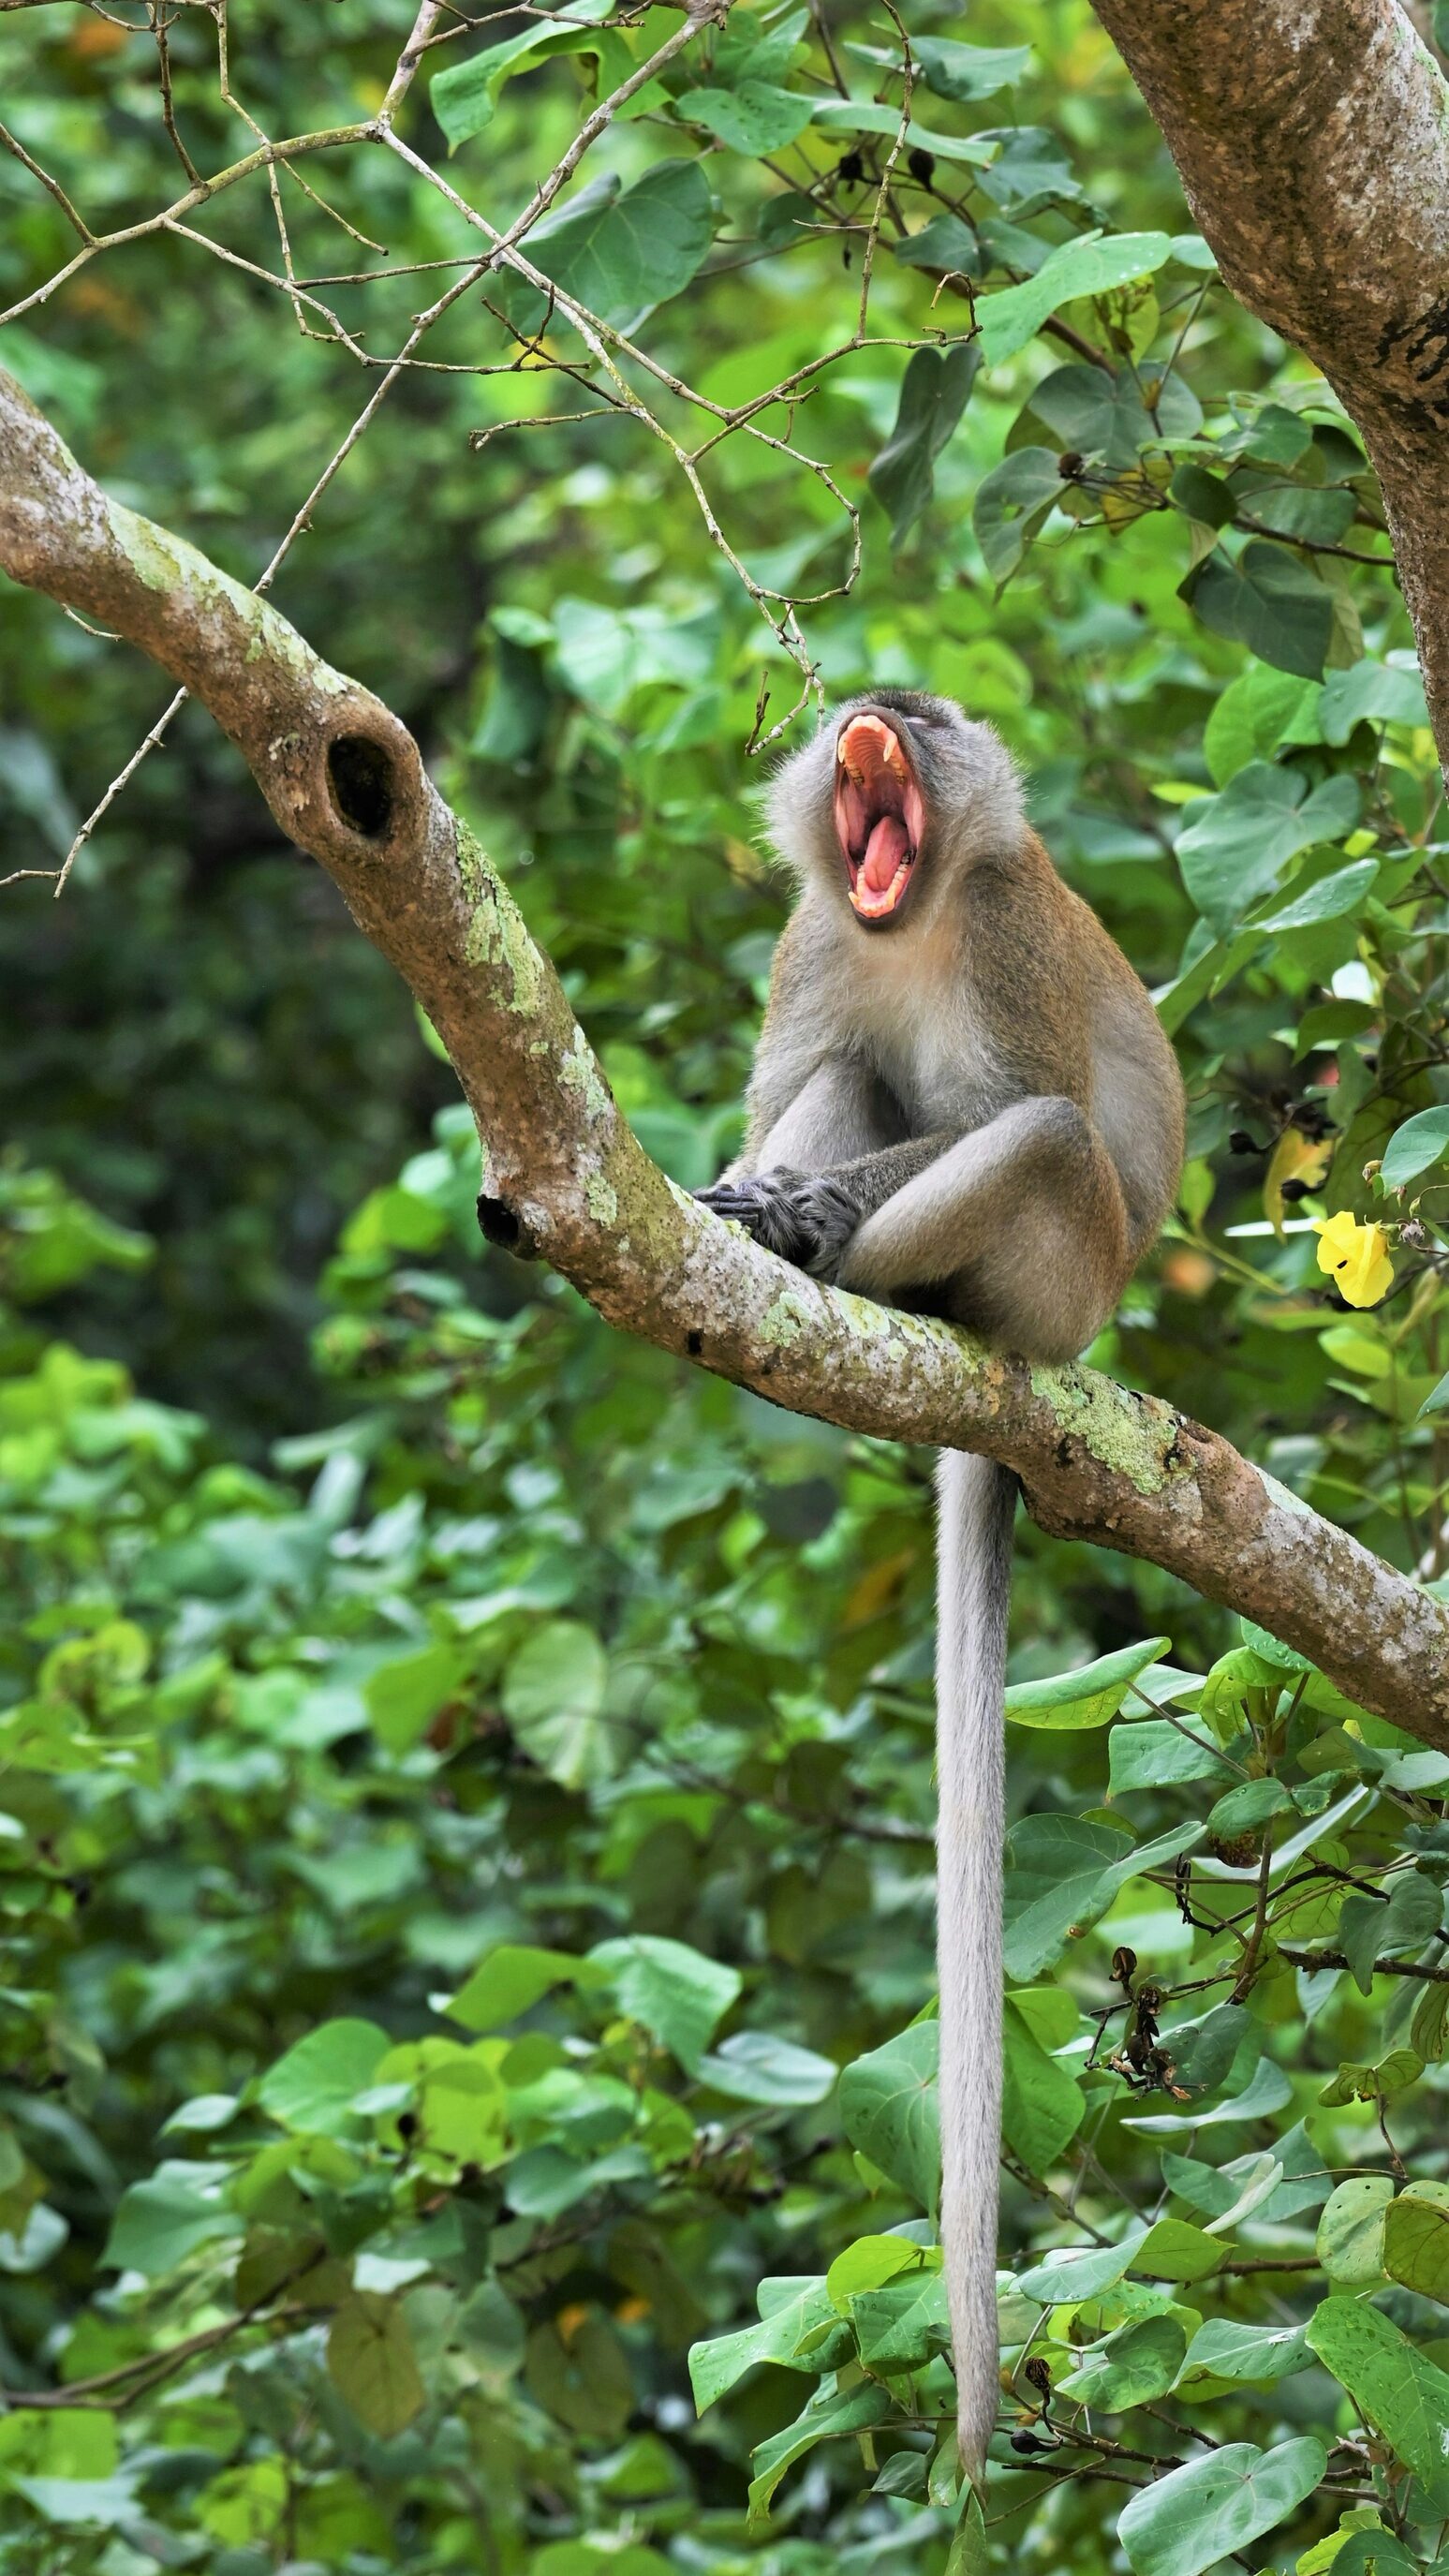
[499, 1225]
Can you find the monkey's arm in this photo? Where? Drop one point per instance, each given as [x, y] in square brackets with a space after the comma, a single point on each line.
[806, 1205]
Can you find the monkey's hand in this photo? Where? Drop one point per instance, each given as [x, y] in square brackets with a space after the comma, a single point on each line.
[807, 1217]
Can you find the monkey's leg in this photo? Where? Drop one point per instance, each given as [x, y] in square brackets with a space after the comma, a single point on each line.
[1021, 1223]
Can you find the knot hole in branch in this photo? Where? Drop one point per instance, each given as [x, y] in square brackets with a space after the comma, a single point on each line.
[360, 775]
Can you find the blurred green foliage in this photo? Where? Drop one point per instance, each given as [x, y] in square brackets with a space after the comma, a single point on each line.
[466, 1838]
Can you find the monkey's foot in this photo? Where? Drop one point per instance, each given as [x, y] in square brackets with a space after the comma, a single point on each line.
[807, 1217]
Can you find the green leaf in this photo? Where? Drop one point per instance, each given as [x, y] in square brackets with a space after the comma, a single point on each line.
[1107, 416]
[464, 96]
[752, 2066]
[314, 2086]
[1042, 2103]
[789, 2312]
[858, 116]
[1151, 1754]
[934, 393]
[510, 1980]
[945, 244]
[1224, 2349]
[755, 116]
[868, 2264]
[553, 1694]
[1330, 898]
[1416, 2239]
[1061, 1876]
[1068, 2275]
[1358, 2081]
[160, 2221]
[1090, 1696]
[903, 2323]
[1203, 496]
[1244, 1809]
[1235, 845]
[1174, 2250]
[1259, 710]
[826, 2417]
[1011, 503]
[1421, 1141]
[1372, 691]
[1212, 2508]
[1268, 600]
[1350, 2241]
[371, 2362]
[1136, 2364]
[1090, 265]
[619, 252]
[674, 1992]
[952, 70]
[888, 2108]
[1396, 2388]
[404, 1695]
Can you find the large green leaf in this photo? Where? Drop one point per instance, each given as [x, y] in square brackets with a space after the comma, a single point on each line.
[1234, 846]
[315, 2085]
[1214, 2507]
[826, 2416]
[756, 116]
[1399, 2391]
[889, 2108]
[673, 1991]
[1061, 1876]
[1133, 2366]
[1090, 265]
[861, 116]
[790, 2311]
[953, 70]
[1422, 1141]
[464, 96]
[1416, 2239]
[619, 251]
[1088, 1697]
[553, 1696]
[1067, 2274]
[1042, 2105]
[1011, 503]
[371, 2362]
[934, 393]
[162, 2220]
[1267, 599]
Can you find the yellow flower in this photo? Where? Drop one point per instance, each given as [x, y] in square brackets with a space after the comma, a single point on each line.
[1357, 1257]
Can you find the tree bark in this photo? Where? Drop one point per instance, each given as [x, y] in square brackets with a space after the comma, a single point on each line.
[565, 1178]
[1312, 137]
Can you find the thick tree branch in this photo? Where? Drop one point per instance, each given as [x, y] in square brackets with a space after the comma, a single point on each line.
[1313, 141]
[565, 1177]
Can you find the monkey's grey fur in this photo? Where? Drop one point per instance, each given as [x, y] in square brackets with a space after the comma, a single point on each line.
[966, 1105]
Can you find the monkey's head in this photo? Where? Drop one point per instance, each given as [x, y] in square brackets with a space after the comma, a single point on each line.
[897, 791]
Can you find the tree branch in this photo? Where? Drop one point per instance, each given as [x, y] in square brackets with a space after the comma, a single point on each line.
[565, 1178]
[1312, 137]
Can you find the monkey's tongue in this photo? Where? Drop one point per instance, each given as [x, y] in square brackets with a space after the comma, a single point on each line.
[886, 853]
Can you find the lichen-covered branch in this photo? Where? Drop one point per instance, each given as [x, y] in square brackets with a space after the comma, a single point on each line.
[1312, 137]
[565, 1178]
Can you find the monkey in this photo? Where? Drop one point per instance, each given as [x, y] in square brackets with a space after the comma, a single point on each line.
[963, 1103]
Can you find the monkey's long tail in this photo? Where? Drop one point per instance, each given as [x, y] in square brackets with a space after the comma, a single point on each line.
[977, 1503]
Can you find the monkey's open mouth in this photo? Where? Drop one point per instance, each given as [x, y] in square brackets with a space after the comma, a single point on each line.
[880, 816]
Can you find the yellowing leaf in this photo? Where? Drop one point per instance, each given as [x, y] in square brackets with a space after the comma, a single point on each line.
[1295, 1157]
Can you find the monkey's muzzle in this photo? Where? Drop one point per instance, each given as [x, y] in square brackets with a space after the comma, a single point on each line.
[880, 816]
